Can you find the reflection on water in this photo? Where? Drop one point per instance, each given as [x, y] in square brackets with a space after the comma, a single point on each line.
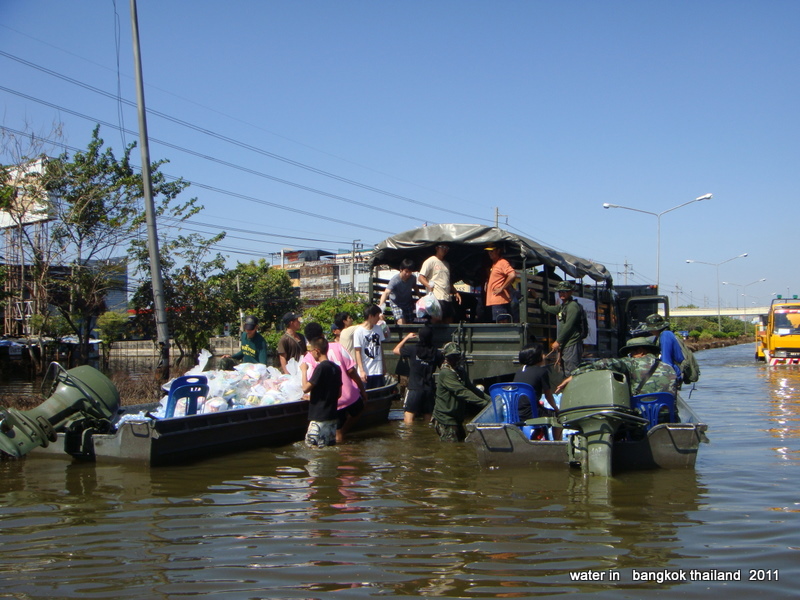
[396, 513]
[784, 407]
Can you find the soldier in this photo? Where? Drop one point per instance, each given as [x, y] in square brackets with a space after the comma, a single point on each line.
[570, 335]
[671, 352]
[453, 391]
[645, 372]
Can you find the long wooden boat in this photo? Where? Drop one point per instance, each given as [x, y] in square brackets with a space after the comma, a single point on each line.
[630, 444]
[183, 439]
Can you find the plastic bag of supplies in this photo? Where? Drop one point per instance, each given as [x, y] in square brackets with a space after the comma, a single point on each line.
[429, 305]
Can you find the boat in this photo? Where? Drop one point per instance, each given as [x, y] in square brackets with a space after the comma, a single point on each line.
[82, 420]
[610, 432]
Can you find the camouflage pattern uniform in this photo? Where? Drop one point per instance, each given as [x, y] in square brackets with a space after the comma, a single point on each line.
[636, 370]
[453, 391]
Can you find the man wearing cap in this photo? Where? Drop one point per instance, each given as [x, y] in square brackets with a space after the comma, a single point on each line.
[645, 372]
[292, 344]
[435, 276]
[569, 341]
[253, 344]
[453, 391]
[498, 286]
[671, 352]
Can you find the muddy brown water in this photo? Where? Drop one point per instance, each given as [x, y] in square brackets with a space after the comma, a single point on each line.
[394, 513]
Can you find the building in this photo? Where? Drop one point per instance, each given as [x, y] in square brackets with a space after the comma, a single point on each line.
[318, 275]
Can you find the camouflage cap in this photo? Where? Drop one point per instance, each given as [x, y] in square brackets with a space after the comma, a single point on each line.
[450, 349]
[656, 322]
[639, 342]
[565, 286]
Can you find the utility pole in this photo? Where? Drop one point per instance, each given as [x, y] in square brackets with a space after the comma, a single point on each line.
[677, 292]
[241, 310]
[497, 216]
[356, 246]
[162, 329]
[628, 271]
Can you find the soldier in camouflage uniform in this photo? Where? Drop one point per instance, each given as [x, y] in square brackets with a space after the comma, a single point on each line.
[453, 391]
[637, 366]
[568, 313]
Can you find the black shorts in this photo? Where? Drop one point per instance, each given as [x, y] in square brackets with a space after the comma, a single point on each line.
[419, 402]
[448, 311]
[351, 410]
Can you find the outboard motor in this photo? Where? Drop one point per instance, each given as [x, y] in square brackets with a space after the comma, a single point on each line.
[80, 393]
[596, 403]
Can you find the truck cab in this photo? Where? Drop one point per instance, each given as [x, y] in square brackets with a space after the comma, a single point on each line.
[780, 341]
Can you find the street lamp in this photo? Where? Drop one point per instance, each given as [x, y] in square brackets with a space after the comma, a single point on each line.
[716, 265]
[744, 293]
[744, 288]
[658, 233]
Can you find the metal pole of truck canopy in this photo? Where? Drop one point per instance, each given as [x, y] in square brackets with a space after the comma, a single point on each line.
[717, 265]
[658, 231]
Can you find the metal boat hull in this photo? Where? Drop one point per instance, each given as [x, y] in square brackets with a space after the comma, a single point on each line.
[665, 446]
[184, 439]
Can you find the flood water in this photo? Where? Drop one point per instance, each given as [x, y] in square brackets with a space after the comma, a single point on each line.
[395, 513]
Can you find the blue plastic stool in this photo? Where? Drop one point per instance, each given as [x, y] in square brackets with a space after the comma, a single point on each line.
[509, 394]
[191, 387]
[650, 405]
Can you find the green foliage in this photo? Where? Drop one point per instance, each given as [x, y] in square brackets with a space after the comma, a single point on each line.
[7, 192]
[258, 290]
[325, 312]
[112, 327]
[50, 325]
[95, 200]
[709, 324]
[191, 295]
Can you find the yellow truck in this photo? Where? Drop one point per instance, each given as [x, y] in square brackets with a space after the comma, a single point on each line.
[778, 339]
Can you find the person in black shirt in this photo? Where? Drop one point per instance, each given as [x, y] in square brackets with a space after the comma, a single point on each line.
[424, 359]
[324, 388]
[535, 373]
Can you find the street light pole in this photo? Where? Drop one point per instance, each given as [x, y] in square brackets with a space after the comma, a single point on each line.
[717, 265]
[744, 294]
[658, 229]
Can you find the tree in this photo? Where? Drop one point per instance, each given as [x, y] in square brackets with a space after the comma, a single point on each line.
[259, 290]
[112, 327]
[193, 297]
[324, 313]
[95, 200]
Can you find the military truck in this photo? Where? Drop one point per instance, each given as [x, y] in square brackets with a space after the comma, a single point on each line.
[491, 349]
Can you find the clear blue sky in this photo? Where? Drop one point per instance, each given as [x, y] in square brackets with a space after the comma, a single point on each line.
[542, 110]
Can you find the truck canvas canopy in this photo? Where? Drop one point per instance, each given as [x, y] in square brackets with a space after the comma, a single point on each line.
[467, 253]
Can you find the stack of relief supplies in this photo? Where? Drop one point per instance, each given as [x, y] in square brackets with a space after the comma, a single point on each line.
[246, 386]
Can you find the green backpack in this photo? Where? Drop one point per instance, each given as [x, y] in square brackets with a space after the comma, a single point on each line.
[689, 366]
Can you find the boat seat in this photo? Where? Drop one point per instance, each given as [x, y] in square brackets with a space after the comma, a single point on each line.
[540, 427]
[508, 395]
[188, 387]
[651, 406]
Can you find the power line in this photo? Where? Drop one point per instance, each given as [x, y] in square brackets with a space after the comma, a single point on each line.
[229, 139]
[237, 195]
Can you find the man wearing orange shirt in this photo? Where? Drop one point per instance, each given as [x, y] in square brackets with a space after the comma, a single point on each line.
[498, 286]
